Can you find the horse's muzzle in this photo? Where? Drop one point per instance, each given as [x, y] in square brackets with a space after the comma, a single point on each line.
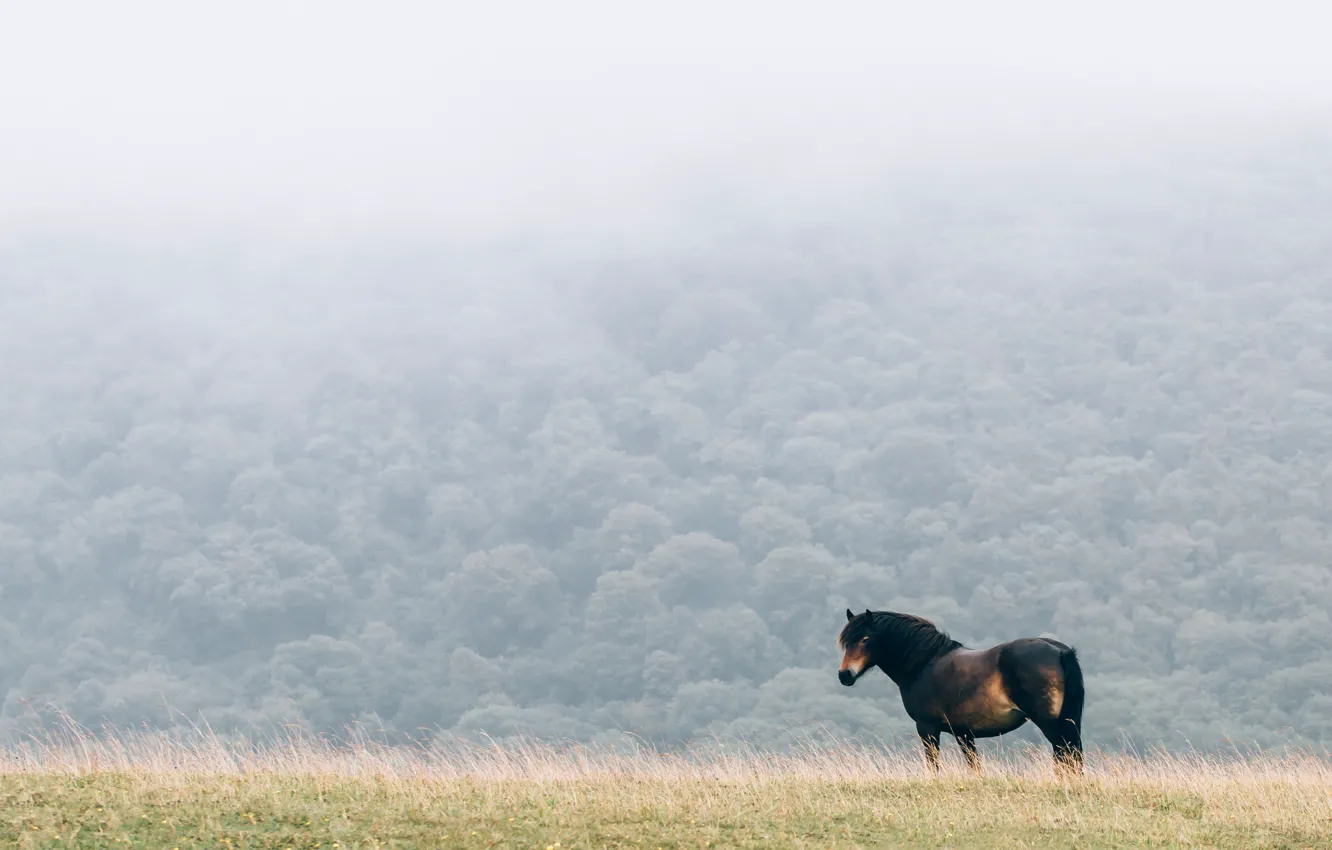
[846, 677]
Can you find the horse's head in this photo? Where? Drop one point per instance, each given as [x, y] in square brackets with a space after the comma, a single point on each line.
[856, 641]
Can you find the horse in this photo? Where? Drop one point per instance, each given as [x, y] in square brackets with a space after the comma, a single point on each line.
[970, 693]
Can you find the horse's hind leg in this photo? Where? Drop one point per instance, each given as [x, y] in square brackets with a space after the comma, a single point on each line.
[1067, 742]
[1041, 691]
[1072, 746]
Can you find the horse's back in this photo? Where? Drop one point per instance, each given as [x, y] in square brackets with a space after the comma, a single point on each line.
[1037, 649]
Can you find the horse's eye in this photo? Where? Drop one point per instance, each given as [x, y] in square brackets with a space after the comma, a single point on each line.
[865, 639]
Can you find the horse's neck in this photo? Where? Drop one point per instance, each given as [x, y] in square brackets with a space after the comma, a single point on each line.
[921, 661]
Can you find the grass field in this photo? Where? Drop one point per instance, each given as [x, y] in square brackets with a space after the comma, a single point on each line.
[78, 790]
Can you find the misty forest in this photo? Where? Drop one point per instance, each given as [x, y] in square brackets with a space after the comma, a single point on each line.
[441, 487]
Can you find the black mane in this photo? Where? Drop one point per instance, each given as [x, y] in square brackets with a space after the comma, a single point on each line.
[902, 644]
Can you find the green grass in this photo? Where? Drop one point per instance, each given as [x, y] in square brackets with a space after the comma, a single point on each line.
[111, 810]
[313, 795]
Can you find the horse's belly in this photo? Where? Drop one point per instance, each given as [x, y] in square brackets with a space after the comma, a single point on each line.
[998, 723]
[988, 710]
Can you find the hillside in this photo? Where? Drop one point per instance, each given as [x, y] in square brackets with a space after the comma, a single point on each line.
[297, 792]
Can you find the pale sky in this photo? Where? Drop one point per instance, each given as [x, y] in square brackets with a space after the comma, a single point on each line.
[449, 112]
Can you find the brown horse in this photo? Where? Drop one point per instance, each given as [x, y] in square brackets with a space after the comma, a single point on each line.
[970, 693]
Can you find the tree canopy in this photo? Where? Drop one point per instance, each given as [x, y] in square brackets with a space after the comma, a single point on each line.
[521, 493]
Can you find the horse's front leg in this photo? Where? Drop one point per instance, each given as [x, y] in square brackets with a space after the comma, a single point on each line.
[967, 742]
[929, 738]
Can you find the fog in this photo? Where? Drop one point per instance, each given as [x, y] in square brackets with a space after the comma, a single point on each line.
[423, 116]
[568, 372]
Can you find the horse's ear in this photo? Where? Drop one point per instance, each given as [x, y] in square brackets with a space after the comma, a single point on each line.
[849, 615]
[867, 613]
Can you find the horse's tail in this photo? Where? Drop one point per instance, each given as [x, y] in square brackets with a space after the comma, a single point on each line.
[1074, 692]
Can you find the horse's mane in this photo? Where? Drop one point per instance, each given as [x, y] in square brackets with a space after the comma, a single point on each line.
[903, 643]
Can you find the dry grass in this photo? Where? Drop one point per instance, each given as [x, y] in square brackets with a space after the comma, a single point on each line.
[72, 788]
